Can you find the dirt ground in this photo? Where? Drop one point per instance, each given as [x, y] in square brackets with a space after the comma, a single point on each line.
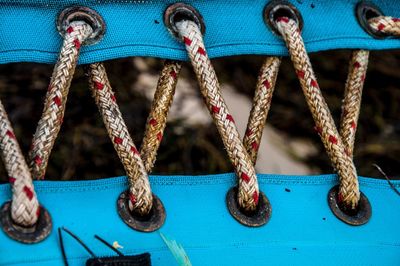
[191, 144]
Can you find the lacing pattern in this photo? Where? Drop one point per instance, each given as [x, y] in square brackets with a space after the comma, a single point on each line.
[140, 196]
[339, 144]
[209, 86]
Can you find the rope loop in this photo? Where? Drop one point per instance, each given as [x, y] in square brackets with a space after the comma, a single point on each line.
[247, 192]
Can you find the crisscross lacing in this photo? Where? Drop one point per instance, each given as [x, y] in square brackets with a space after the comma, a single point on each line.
[339, 144]
[136, 169]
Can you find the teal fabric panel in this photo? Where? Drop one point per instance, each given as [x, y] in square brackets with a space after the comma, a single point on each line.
[136, 28]
[302, 229]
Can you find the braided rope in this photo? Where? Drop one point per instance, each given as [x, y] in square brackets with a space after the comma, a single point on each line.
[261, 105]
[25, 206]
[140, 196]
[385, 24]
[352, 98]
[248, 192]
[157, 119]
[349, 192]
[50, 123]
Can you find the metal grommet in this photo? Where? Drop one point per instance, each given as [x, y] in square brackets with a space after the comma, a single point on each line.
[365, 11]
[279, 8]
[88, 15]
[255, 219]
[27, 235]
[357, 217]
[149, 223]
[178, 12]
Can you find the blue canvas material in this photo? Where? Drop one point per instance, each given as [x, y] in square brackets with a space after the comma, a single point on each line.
[136, 28]
[302, 229]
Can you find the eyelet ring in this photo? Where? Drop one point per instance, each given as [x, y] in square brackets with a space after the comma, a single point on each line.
[365, 10]
[79, 13]
[359, 217]
[280, 8]
[149, 223]
[178, 12]
[257, 218]
[26, 235]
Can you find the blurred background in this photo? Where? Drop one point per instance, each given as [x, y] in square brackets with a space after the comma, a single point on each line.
[191, 144]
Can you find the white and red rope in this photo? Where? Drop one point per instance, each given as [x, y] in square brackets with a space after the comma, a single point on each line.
[261, 105]
[54, 107]
[25, 206]
[160, 107]
[387, 25]
[248, 191]
[352, 98]
[140, 195]
[349, 192]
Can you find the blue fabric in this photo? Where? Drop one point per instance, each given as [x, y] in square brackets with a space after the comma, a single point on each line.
[28, 32]
[302, 229]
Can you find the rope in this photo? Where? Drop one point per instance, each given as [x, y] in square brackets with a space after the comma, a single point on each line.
[24, 206]
[141, 198]
[248, 192]
[261, 105]
[157, 119]
[385, 24]
[352, 98]
[137, 165]
[349, 193]
[52, 117]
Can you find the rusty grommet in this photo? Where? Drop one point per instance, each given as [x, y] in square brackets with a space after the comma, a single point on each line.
[359, 216]
[280, 8]
[88, 15]
[365, 11]
[26, 235]
[178, 12]
[149, 223]
[254, 219]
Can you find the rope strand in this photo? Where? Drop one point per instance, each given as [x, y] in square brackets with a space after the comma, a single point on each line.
[25, 205]
[386, 24]
[54, 107]
[141, 198]
[349, 192]
[160, 107]
[137, 165]
[261, 105]
[248, 191]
